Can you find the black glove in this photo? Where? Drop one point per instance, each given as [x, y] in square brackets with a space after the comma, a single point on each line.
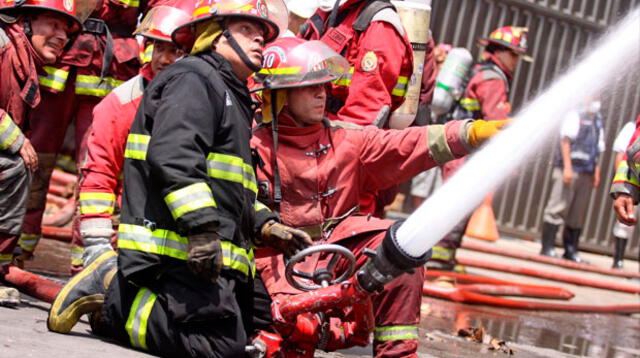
[205, 255]
[284, 238]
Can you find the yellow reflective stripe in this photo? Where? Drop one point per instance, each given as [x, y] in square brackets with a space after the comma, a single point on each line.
[345, 80]
[5, 259]
[232, 168]
[138, 319]
[76, 255]
[147, 54]
[130, 3]
[189, 199]
[237, 258]
[137, 145]
[92, 86]
[28, 242]
[442, 253]
[400, 88]
[97, 203]
[9, 132]
[280, 71]
[55, 78]
[395, 333]
[213, 9]
[260, 206]
[159, 241]
[625, 175]
[470, 104]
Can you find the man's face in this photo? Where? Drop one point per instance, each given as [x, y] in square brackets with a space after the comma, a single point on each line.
[306, 104]
[164, 54]
[49, 35]
[509, 59]
[250, 36]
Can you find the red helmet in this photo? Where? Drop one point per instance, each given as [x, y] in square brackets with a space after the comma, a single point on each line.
[72, 9]
[511, 37]
[292, 62]
[271, 13]
[160, 21]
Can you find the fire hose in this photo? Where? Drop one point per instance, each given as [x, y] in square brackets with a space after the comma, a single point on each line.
[32, 284]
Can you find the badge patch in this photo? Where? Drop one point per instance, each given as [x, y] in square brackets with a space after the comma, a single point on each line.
[369, 61]
[262, 9]
[68, 5]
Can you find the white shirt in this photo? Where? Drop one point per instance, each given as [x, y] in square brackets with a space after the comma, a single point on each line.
[624, 137]
[571, 127]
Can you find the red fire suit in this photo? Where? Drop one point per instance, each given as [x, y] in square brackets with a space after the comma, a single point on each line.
[73, 87]
[324, 170]
[19, 92]
[486, 97]
[101, 180]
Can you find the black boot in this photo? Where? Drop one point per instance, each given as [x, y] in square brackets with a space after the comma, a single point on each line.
[570, 239]
[549, 232]
[621, 245]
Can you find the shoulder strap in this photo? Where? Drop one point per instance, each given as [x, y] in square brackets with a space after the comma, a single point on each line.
[492, 71]
[371, 10]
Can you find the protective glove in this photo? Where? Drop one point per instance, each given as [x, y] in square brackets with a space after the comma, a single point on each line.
[284, 238]
[479, 131]
[205, 255]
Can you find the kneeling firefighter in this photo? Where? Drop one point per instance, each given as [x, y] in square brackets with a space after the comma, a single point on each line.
[183, 283]
[313, 172]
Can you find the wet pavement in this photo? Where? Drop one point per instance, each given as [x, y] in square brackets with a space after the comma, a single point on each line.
[23, 331]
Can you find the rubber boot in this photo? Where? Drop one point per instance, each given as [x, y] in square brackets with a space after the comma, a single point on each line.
[570, 239]
[618, 257]
[549, 232]
[84, 293]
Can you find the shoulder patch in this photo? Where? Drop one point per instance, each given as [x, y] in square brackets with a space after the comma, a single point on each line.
[4, 39]
[130, 90]
[390, 16]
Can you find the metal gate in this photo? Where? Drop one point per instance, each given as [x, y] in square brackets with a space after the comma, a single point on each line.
[559, 32]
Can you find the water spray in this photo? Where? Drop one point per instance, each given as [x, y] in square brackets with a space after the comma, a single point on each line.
[616, 52]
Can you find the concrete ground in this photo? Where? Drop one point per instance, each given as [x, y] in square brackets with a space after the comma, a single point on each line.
[23, 331]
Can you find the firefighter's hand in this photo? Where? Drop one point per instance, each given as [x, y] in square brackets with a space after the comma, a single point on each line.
[205, 256]
[284, 238]
[29, 155]
[623, 207]
[480, 131]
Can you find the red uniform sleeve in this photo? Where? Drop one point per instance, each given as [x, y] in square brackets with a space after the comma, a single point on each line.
[492, 95]
[106, 144]
[11, 137]
[390, 157]
[372, 84]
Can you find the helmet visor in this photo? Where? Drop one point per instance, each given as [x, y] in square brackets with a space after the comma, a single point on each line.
[160, 22]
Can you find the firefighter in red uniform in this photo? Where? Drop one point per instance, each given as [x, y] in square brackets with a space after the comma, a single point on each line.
[101, 183]
[625, 188]
[102, 57]
[371, 37]
[486, 96]
[32, 34]
[319, 170]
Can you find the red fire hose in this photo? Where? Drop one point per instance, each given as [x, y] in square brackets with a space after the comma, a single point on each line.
[492, 249]
[57, 233]
[32, 285]
[549, 275]
[58, 176]
[463, 296]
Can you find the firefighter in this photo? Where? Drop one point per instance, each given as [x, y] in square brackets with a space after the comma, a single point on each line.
[102, 57]
[100, 186]
[183, 284]
[314, 171]
[370, 35]
[485, 96]
[32, 34]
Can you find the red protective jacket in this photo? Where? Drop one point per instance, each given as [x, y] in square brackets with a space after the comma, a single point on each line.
[487, 92]
[381, 62]
[87, 51]
[325, 169]
[19, 89]
[101, 183]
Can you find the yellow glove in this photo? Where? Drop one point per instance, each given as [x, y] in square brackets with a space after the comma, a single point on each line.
[479, 131]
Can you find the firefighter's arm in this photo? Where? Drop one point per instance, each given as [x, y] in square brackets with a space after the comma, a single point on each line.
[183, 132]
[102, 169]
[376, 76]
[11, 137]
[388, 157]
[492, 95]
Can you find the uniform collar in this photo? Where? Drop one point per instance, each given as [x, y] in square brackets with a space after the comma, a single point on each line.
[493, 58]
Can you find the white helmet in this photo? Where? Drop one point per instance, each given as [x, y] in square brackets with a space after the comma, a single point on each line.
[302, 8]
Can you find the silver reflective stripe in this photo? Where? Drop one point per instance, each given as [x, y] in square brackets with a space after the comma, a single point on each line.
[138, 319]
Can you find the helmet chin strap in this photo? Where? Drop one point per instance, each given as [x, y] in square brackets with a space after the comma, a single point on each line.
[236, 47]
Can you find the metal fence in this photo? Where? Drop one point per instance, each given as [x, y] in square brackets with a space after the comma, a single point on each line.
[559, 32]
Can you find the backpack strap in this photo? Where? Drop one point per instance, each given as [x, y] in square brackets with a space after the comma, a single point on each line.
[378, 10]
[491, 71]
